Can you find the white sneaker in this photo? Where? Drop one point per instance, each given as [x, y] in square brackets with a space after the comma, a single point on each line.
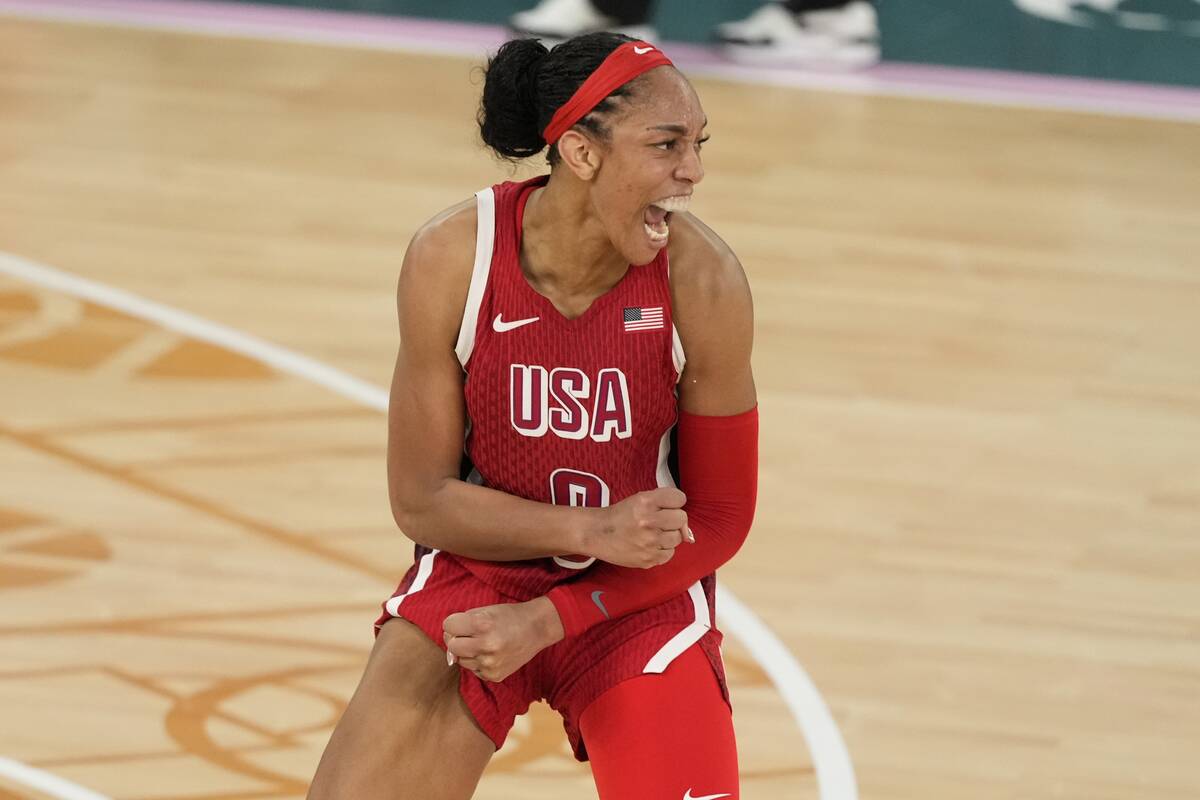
[558, 20]
[846, 37]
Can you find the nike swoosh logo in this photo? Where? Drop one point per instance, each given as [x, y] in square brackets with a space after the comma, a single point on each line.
[500, 326]
[641, 51]
[690, 796]
[604, 611]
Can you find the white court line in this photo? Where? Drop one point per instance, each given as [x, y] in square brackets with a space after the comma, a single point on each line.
[831, 760]
[45, 782]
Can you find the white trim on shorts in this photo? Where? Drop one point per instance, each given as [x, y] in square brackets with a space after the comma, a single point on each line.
[485, 243]
[686, 637]
[424, 570]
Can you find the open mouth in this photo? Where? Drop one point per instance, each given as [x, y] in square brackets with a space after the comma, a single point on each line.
[657, 217]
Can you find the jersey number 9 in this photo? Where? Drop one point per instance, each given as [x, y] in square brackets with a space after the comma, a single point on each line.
[569, 487]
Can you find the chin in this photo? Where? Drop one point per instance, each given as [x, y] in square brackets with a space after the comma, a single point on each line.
[642, 252]
[641, 256]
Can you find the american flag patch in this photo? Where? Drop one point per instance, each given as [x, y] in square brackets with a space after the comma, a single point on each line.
[643, 319]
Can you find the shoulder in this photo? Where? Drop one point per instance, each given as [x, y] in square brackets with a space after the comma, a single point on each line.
[436, 275]
[443, 247]
[714, 315]
[705, 273]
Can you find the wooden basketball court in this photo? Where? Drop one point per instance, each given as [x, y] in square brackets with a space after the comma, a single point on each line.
[978, 357]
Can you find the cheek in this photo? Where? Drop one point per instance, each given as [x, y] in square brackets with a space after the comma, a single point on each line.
[636, 171]
[622, 192]
[620, 198]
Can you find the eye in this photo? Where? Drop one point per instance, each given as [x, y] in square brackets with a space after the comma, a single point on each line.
[700, 143]
[668, 145]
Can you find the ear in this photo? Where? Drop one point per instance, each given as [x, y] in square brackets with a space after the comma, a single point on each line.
[580, 153]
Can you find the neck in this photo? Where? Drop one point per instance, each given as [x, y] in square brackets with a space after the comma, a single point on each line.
[564, 248]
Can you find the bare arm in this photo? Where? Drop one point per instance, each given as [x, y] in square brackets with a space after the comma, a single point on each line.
[714, 313]
[427, 413]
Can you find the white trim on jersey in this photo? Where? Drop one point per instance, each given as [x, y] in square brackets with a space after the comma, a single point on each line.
[695, 630]
[485, 242]
[424, 570]
[686, 637]
[677, 355]
[663, 475]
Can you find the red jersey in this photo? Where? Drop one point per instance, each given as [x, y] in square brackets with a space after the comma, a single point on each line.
[568, 411]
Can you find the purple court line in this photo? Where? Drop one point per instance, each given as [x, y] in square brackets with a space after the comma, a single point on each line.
[1039, 83]
[468, 39]
[348, 27]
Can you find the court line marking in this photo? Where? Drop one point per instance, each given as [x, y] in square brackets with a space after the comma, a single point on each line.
[45, 782]
[1005, 88]
[830, 757]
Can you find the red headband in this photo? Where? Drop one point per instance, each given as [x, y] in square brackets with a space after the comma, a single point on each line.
[622, 65]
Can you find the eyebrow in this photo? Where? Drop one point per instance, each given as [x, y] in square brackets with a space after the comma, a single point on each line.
[675, 128]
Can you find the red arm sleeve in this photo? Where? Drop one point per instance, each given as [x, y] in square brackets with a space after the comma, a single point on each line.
[718, 471]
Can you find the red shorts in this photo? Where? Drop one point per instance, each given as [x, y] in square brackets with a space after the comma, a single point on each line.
[568, 675]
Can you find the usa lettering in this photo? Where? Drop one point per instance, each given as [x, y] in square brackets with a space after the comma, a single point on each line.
[566, 402]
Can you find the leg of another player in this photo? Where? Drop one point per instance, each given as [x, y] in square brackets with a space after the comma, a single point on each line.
[406, 732]
[663, 737]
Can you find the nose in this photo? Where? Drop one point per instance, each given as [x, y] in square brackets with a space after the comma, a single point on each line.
[690, 167]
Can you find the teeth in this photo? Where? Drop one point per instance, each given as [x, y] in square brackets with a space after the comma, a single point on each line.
[657, 236]
[677, 203]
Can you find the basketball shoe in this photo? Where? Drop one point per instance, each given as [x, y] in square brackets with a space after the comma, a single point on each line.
[846, 37]
[558, 20]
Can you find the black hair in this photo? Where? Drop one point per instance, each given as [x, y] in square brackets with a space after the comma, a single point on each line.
[524, 84]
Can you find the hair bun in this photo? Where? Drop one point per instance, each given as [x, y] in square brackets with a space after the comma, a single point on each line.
[524, 84]
[508, 111]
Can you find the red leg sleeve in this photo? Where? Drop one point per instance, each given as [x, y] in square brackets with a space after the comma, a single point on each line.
[663, 737]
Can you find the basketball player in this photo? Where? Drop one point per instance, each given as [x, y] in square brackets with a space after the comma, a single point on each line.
[589, 340]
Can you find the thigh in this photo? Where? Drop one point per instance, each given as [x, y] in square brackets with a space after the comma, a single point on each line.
[407, 731]
[663, 736]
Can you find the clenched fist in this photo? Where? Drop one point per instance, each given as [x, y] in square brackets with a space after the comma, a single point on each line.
[496, 641]
[642, 530]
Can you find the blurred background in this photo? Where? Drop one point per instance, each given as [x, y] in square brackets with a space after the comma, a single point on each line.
[1132, 40]
[971, 232]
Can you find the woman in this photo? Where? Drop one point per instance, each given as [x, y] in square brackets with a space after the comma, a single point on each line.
[556, 559]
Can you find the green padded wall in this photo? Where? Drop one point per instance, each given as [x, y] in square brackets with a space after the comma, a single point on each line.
[1135, 40]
